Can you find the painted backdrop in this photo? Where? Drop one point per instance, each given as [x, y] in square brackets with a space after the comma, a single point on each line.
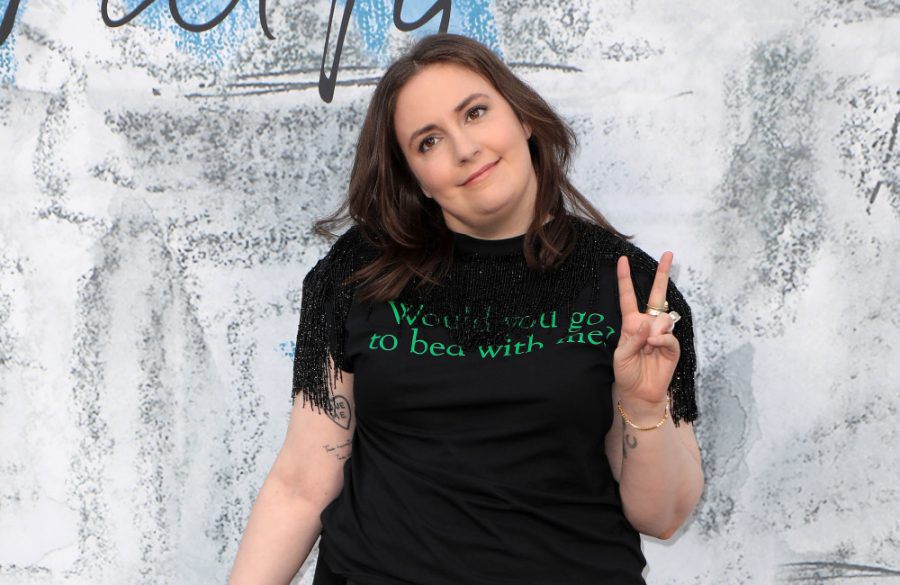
[161, 164]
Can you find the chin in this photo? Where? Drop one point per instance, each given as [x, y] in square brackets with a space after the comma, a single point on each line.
[497, 207]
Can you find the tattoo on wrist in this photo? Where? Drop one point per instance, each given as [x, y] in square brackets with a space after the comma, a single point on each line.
[628, 439]
[631, 440]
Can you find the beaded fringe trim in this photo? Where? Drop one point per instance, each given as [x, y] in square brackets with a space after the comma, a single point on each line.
[503, 282]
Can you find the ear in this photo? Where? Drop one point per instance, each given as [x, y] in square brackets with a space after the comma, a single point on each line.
[527, 129]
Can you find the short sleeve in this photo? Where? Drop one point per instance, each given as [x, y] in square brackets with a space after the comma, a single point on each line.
[312, 368]
[681, 388]
[321, 333]
[341, 357]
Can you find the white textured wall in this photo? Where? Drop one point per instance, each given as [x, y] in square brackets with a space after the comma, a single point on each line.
[157, 186]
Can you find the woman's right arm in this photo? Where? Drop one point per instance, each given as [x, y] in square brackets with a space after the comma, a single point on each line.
[306, 476]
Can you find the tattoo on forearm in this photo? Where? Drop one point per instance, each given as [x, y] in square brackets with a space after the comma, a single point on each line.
[342, 413]
[341, 451]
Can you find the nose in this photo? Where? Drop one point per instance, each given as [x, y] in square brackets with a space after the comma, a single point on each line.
[467, 147]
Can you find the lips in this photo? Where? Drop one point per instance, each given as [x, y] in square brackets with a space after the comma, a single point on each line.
[481, 171]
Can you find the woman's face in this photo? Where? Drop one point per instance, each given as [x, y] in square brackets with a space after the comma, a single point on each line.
[450, 123]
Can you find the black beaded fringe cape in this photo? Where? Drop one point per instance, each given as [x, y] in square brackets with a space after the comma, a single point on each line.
[502, 282]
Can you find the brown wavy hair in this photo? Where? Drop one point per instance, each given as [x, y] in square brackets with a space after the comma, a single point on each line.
[385, 200]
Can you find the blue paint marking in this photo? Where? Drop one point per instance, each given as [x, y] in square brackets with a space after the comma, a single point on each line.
[8, 62]
[375, 18]
[287, 348]
[215, 46]
[476, 21]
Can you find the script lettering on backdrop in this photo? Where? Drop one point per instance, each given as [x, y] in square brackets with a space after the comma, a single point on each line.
[326, 82]
[9, 17]
[179, 20]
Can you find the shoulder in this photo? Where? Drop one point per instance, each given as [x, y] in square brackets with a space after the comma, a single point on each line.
[354, 241]
[602, 244]
[347, 253]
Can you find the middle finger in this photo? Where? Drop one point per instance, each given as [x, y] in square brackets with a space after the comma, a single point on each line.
[661, 281]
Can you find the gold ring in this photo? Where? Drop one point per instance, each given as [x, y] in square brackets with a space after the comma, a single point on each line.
[661, 309]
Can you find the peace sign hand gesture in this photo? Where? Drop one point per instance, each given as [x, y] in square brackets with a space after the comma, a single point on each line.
[647, 353]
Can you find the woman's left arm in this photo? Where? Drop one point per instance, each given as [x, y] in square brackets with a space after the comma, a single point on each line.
[659, 470]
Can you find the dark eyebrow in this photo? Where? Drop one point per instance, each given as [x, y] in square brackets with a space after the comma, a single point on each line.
[459, 107]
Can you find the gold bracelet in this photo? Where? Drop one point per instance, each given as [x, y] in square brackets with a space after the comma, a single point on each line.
[656, 426]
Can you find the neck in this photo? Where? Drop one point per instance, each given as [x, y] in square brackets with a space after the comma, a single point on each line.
[492, 232]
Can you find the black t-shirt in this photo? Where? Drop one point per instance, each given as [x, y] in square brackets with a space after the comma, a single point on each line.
[483, 466]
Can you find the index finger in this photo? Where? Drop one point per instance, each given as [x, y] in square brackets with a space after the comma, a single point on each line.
[627, 300]
[661, 281]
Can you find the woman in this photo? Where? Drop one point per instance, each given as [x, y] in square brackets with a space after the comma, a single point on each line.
[470, 340]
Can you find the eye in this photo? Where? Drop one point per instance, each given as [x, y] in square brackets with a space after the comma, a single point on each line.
[477, 109]
[422, 144]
